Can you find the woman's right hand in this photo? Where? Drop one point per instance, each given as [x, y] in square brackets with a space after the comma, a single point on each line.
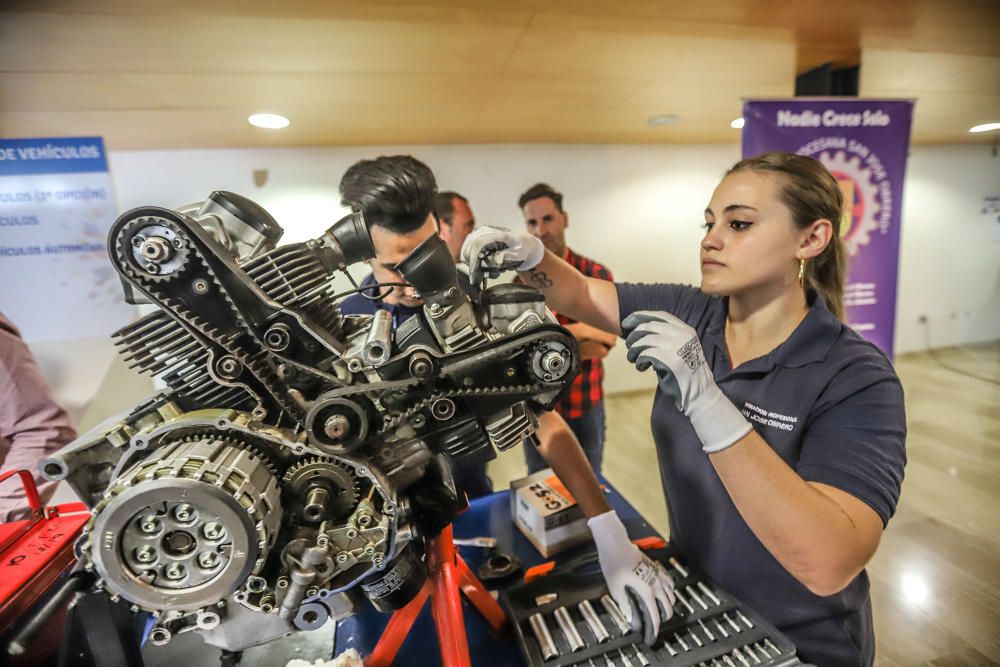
[490, 251]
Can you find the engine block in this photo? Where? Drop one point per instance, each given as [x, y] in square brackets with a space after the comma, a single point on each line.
[295, 459]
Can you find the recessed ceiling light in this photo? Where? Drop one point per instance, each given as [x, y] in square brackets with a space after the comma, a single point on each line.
[663, 119]
[270, 121]
[985, 127]
[737, 124]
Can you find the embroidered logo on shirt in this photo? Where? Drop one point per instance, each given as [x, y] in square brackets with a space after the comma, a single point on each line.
[691, 354]
[768, 417]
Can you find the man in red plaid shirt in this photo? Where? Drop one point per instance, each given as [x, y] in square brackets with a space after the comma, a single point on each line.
[583, 406]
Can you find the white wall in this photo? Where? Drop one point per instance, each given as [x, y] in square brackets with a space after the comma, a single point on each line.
[949, 259]
[636, 208]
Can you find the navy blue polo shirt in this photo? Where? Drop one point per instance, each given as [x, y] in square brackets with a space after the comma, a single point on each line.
[469, 477]
[830, 404]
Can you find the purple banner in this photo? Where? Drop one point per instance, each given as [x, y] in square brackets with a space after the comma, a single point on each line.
[864, 144]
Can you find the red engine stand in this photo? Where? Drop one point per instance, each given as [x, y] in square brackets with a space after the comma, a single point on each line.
[35, 552]
[449, 575]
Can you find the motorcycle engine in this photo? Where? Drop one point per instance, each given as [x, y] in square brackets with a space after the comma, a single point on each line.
[295, 459]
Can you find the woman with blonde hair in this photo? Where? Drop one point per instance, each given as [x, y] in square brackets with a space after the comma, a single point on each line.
[780, 432]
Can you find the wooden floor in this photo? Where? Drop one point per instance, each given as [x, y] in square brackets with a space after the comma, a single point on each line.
[936, 576]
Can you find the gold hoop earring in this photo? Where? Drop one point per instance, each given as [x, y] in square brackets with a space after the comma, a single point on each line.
[802, 272]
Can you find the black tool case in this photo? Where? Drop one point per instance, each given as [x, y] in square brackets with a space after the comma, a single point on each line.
[725, 632]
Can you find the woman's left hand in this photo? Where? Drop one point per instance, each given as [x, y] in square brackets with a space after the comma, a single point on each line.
[667, 344]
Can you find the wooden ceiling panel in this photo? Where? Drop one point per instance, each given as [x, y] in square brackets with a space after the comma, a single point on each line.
[279, 92]
[525, 90]
[688, 97]
[908, 73]
[627, 122]
[952, 92]
[716, 11]
[285, 93]
[27, 125]
[476, 42]
[187, 73]
[84, 91]
[967, 27]
[557, 45]
[124, 130]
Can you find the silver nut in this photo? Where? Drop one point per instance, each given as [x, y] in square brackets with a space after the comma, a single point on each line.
[145, 554]
[149, 525]
[156, 249]
[552, 362]
[184, 513]
[213, 530]
[336, 426]
[175, 572]
[208, 559]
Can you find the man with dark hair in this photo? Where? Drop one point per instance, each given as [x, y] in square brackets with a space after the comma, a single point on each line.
[455, 220]
[396, 194]
[583, 406]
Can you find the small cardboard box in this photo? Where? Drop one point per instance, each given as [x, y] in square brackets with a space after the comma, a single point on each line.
[547, 513]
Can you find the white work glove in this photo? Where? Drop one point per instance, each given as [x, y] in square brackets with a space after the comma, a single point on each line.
[642, 587]
[492, 250]
[672, 348]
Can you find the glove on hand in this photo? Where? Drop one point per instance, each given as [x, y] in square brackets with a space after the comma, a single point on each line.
[668, 345]
[641, 586]
[489, 251]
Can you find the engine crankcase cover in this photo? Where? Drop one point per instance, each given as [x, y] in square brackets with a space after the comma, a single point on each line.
[185, 527]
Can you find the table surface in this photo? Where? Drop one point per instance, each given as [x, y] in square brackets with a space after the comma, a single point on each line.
[489, 515]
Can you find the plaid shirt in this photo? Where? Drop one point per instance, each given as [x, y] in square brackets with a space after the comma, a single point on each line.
[588, 387]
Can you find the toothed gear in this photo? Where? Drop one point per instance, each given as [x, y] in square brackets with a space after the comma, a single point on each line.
[153, 249]
[341, 484]
[184, 528]
[263, 453]
[864, 211]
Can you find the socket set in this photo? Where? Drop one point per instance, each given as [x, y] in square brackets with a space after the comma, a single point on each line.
[568, 619]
